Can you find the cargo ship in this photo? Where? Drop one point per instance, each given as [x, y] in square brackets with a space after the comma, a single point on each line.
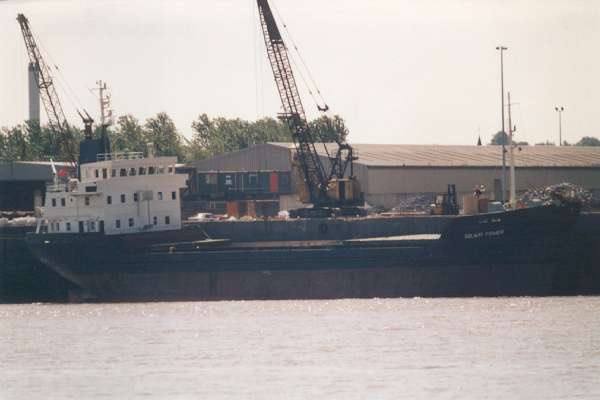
[117, 234]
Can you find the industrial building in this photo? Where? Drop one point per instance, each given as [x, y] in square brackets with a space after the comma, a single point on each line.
[391, 174]
[23, 183]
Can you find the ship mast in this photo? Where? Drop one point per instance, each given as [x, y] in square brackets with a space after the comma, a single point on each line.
[513, 191]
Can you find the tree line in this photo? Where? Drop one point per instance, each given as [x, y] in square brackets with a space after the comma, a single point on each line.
[211, 136]
[500, 138]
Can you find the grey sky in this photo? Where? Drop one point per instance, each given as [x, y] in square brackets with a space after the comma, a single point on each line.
[398, 71]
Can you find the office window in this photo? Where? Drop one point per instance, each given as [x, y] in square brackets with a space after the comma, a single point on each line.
[53, 202]
[122, 172]
[135, 196]
[122, 198]
[155, 221]
[173, 195]
[108, 199]
[167, 220]
[87, 200]
[68, 226]
[118, 223]
[130, 222]
[160, 195]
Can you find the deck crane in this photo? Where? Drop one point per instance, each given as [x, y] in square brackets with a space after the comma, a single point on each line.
[329, 190]
[56, 116]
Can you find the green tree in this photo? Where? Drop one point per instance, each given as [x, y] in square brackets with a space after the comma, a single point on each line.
[161, 131]
[127, 135]
[329, 129]
[499, 138]
[13, 144]
[588, 141]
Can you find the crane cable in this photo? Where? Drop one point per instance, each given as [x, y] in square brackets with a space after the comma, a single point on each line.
[59, 77]
[325, 107]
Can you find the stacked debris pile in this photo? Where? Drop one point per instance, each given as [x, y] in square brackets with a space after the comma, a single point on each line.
[416, 203]
[561, 194]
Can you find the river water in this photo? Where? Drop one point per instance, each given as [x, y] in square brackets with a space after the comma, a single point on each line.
[496, 348]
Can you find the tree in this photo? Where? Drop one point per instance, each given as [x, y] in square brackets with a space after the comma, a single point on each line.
[161, 131]
[588, 141]
[329, 129]
[222, 135]
[499, 138]
[128, 135]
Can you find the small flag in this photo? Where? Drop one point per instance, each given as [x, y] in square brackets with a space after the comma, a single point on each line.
[63, 173]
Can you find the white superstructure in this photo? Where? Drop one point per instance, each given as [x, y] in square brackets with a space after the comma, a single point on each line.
[121, 193]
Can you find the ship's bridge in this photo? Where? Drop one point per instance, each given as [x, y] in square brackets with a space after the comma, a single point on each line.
[126, 164]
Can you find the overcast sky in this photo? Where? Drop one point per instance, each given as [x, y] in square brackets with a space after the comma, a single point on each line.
[398, 71]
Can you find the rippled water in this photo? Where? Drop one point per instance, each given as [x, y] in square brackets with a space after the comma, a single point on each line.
[345, 349]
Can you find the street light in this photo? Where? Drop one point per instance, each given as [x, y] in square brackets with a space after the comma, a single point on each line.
[559, 110]
[501, 49]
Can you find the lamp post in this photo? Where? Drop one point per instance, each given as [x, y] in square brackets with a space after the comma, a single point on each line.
[502, 49]
[559, 110]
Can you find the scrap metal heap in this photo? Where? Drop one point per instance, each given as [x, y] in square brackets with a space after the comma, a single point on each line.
[562, 194]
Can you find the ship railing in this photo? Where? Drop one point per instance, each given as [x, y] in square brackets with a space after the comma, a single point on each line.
[56, 187]
[129, 155]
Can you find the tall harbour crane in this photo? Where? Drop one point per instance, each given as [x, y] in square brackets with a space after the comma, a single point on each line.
[329, 190]
[56, 116]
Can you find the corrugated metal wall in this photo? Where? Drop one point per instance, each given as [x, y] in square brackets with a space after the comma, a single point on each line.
[259, 157]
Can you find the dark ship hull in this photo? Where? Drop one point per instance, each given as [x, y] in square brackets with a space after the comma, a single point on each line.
[521, 252]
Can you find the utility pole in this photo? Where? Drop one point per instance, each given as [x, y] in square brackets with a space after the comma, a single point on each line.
[559, 110]
[502, 49]
[513, 185]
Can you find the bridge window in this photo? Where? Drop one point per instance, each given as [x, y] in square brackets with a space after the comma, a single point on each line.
[135, 196]
[118, 223]
[167, 220]
[155, 221]
[63, 202]
[173, 195]
[108, 199]
[160, 195]
[130, 222]
[92, 226]
[122, 198]
[104, 173]
[53, 202]
[69, 226]
[96, 173]
[87, 200]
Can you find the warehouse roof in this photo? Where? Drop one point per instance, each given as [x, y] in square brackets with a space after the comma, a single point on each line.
[412, 155]
[29, 170]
